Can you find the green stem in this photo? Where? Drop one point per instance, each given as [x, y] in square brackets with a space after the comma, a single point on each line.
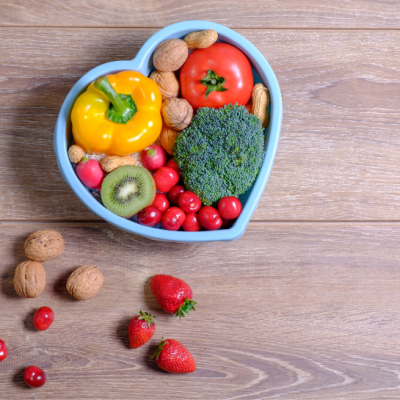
[213, 82]
[122, 107]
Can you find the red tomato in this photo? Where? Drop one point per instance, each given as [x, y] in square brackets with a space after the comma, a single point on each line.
[153, 157]
[173, 219]
[34, 377]
[174, 193]
[229, 207]
[43, 318]
[166, 178]
[3, 350]
[191, 223]
[172, 164]
[189, 202]
[149, 216]
[161, 202]
[228, 63]
[209, 218]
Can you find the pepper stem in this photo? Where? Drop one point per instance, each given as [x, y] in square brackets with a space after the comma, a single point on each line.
[122, 107]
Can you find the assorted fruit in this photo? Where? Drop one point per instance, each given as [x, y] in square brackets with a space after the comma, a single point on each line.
[172, 294]
[187, 140]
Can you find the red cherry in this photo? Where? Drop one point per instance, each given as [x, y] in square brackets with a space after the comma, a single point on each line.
[174, 193]
[229, 207]
[161, 202]
[209, 218]
[189, 202]
[34, 377]
[43, 318]
[166, 178]
[90, 173]
[172, 164]
[149, 216]
[173, 219]
[191, 223]
[3, 350]
[153, 157]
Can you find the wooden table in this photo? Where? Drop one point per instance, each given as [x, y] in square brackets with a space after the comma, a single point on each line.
[306, 305]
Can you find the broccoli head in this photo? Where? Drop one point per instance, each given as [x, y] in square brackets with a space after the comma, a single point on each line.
[220, 153]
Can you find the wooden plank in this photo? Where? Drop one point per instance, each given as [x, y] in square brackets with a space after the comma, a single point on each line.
[157, 13]
[338, 153]
[305, 311]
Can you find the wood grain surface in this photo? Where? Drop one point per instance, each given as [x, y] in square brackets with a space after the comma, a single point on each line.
[290, 311]
[306, 304]
[338, 153]
[159, 13]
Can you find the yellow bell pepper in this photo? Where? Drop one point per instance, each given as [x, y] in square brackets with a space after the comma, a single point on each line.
[117, 115]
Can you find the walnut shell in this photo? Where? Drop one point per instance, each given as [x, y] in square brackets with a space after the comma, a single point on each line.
[177, 113]
[167, 83]
[170, 55]
[168, 137]
[29, 279]
[85, 282]
[44, 245]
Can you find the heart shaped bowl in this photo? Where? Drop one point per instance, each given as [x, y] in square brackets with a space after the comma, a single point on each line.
[143, 63]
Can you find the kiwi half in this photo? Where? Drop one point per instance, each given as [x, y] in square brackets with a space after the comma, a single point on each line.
[127, 190]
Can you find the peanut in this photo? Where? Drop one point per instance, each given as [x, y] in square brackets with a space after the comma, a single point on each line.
[260, 100]
[110, 163]
[75, 153]
[202, 39]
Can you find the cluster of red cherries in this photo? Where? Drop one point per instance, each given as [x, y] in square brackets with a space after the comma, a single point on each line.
[33, 376]
[186, 210]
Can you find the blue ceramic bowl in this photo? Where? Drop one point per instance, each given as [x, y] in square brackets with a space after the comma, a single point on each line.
[143, 63]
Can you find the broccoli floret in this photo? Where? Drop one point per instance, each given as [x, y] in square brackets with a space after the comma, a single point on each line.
[220, 153]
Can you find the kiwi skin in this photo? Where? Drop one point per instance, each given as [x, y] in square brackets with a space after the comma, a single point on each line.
[128, 168]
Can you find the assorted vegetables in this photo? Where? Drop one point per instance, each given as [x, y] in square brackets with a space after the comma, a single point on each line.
[169, 161]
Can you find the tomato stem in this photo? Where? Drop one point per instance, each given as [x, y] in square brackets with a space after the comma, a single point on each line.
[213, 82]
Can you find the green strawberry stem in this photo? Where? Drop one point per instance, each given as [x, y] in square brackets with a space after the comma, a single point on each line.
[147, 317]
[159, 349]
[187, 306]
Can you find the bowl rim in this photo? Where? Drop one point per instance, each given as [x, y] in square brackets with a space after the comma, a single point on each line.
[267, 76]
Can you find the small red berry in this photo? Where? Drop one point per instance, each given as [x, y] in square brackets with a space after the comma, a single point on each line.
[153, 157]
[165, 179]
[161, 202]
[173, 219]
[209, 218]
[149, 216]
[90, 173]
[191, 223]
[189, 202]
[34, 377]
[43, 318]
[3, 350]
[174, 194]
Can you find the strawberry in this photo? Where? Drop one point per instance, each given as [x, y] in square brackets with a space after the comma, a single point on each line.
[171, 356]
[141, 329]
[172, 294]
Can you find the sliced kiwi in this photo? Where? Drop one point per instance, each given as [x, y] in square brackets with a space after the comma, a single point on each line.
[127, 190]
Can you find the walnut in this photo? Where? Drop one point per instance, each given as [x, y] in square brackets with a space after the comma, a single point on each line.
[85, 282]
[168, 137]
[177, 113]
[170, 55]
[44, 245]
[167, 83]
[29, 279]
